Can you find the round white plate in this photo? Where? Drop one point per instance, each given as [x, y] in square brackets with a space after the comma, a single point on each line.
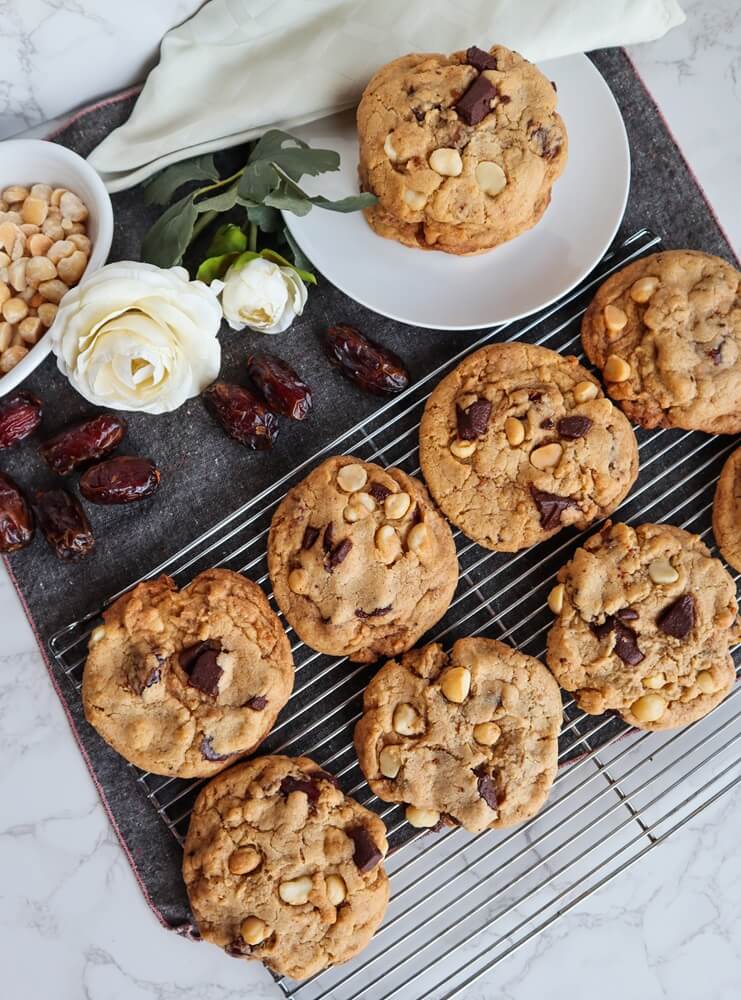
[444, 292]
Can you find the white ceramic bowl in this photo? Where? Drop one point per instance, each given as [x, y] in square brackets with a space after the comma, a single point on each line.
[36, 161]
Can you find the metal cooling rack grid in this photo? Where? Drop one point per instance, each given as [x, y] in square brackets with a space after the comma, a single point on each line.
[623, 793]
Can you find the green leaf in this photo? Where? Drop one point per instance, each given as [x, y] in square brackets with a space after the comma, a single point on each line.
[272, 142]
[297, 162]
[168, 239]
[163, 185]
[227, 239]
[352, 203]
[276, 258]
[221, 202]
[258, 180]
[289, 198]
[215, 267]
[300, 260]
[265, 218]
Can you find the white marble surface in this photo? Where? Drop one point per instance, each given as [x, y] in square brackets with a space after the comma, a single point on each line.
[72, 922]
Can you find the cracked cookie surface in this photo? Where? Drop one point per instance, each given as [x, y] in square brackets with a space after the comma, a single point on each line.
[465, 738]
[361, 562]
[666, 333]
[181, 682]
[280, 865]
[445, 178]
[727, 511]
[645, 622]
[519, 441]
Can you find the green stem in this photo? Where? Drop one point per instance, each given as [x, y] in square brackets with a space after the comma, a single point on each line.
[205, 219]
[218, 184]
[253, 237]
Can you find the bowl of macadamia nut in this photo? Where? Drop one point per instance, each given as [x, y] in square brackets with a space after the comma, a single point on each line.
[56, 226]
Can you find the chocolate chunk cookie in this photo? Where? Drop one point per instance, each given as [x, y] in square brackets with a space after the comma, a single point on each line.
[644, 620]
[360, 561]
[666, 333]
[280, 865]
[727, 511]
[461, 150]
[182, 682]
[519, 441]
[467, 738]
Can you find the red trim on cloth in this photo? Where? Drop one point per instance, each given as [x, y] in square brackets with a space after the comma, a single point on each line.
[104, 102]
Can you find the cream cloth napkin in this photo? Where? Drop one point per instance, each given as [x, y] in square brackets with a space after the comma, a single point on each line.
[239, 67]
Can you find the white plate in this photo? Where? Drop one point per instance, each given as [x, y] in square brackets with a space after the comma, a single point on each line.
[445, 292]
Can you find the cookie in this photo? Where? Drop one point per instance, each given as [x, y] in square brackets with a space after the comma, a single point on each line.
[518, 441]
[644, 619]
[727, 511]
[182, 682]
[461, 150]
[666, 333]
[360, 561]
[280, 865]
[467, 738]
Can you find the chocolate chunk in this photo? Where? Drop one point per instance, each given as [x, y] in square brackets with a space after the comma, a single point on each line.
[375, 613]
[550, 506]
[417, 515]
[339, 553]
[627, 614]
[321, 775]
[472, 422]
[379, 492]
[310, 536]
[208, 752]
[445, 820]
[154, 678]
[238, 948]
[204, 673]
[189, 655]
[545, 145]
[419, 114]
[257, 703]
[572, 428]
[553, 84]
[475, 104]
[327, 540]
[480, 59]
[546, 424]
[486, 786]
[305, 785]
[504, 98]
[535, 397]
[715, 354]
[678, 619]
[601, 630]
[366, 855]
[626, 644]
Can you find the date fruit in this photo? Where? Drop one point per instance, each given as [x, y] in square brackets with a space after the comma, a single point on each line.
[16, 519]
[280, 386]
[242, 415]
[372, 367]
[20, 415]
[121, 479]
[82, 442]
[64, 524]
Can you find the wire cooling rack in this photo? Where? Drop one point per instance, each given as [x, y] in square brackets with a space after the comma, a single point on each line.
[461, 904]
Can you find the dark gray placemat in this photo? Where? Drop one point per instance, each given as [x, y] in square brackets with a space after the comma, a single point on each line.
[204, 474]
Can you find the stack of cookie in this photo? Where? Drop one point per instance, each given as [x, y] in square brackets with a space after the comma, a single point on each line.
[461, 151]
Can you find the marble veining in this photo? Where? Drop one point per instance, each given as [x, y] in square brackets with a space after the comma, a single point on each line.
[72, 920]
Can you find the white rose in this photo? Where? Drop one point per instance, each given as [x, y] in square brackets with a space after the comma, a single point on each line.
[137, 337]
[261, 295]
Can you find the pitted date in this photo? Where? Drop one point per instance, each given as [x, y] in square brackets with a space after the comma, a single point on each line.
[242, 415]
[20, 415]
[121, 479]
[16, 519]
[83, 442]
[372, 367]
[281, 387]
[64, 524]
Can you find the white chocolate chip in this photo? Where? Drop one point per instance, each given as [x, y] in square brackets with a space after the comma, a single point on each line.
[389, 762]
[296, 891]
[654, 682]
[555, 599]
[455, 684]
[514, 431]
[244, 860]
[389, 150]
[648, 708]
[490, 177]
[365, 500]
[336, 889]
[415, 200]
[615, 318]
[396, 505]
[584, 391]
[486, 733]
[298, 580]
[421, 818]
[462, 449]
[352, 478]
[662, 571]
[388, 543]
[418, 538]
[546, 456]
[446, 162]
[407, 721]
[705, 682]
[253, 930]
[97, 634]
[355, 512]
[616, 369]
[642, 290]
